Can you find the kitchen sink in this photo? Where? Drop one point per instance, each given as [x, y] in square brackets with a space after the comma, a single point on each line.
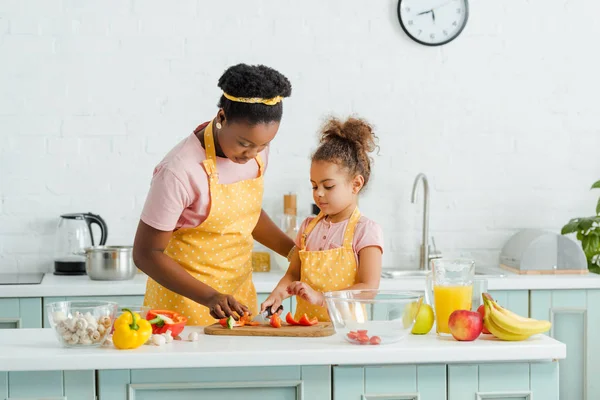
[398, 274]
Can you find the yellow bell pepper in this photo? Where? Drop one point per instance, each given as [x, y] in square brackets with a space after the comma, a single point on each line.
[131, 330]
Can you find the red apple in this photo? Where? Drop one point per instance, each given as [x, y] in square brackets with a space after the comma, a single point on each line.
[465, 325]
[481, 310]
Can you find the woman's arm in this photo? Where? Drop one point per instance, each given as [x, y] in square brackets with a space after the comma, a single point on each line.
[368, 276]
[148, 255]
[268, 233]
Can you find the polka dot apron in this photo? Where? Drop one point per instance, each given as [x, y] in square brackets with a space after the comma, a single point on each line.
[218, 252]
[327, 270]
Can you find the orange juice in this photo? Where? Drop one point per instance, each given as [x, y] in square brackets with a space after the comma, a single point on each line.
[448, 299]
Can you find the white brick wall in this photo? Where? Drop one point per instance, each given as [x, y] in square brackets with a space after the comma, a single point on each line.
[504, 120]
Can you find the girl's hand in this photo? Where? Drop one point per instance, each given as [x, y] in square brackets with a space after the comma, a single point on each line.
[273, 301]
[307, 293]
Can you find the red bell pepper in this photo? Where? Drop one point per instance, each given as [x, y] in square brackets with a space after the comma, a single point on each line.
[165, 320]
[275, 321]
[290, 319]
[304, 321]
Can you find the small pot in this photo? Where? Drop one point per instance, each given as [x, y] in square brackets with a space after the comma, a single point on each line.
[110, 263]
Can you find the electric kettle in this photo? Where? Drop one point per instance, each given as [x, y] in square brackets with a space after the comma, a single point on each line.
[73, 235]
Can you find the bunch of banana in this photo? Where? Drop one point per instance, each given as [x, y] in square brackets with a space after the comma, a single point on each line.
[507, 325]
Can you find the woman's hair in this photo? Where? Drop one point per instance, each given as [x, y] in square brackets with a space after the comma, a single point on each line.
[347, 144]
[243, 80]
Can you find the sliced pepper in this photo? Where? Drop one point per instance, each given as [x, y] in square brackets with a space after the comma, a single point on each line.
[290, 319]
[165, 320]
[304, 321]
[275, 321]
[131, 330]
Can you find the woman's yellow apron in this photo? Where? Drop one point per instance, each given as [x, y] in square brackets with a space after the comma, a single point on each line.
[327, 270]
[218, 252]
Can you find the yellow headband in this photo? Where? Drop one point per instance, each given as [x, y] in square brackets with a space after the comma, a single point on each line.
[269, 102]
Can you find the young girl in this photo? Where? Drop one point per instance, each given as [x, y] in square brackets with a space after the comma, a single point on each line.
[339, 249]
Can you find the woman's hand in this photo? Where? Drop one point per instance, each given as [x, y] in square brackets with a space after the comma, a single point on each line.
[224, 305]
[307, 293]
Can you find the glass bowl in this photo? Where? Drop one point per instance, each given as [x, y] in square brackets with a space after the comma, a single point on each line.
[373, 316]
[142, 310]
[82, 323]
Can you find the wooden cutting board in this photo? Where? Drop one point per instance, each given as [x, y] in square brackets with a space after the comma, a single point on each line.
[320, 330]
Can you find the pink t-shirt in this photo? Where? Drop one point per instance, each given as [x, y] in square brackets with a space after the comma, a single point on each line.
[179, 195]
[327, 235]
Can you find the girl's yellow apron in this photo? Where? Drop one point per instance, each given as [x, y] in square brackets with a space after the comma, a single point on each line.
[327, 270]
[218, 252]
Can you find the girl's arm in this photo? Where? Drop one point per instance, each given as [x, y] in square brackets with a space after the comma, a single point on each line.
[280, 292]
[368, 276]
[268, 233]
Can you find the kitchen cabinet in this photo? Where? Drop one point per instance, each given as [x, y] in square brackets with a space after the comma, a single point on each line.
[21, 313]
[247, 383]
[575, 317]
[516, 301]
[121, 300]
[49, 385]
[451, 382]
[394, 382]
[514, 381]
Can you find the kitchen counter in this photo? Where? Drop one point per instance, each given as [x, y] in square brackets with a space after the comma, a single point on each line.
[39, 350]
[53, 285]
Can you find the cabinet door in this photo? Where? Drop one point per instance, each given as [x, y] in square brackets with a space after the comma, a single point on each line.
[21, 313]
[48, 385]
[394, 382]
[512, 381]
[575, 317]
[122, 300]
[252, 383]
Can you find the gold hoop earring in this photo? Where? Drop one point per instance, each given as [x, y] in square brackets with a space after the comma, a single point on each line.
[219, 126]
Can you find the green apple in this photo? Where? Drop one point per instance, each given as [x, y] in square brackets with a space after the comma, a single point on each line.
[424, 321]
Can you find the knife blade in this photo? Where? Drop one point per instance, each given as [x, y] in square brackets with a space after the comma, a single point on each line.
[266, 315]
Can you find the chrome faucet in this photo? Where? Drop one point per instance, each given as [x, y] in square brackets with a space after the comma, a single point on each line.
[426, 254]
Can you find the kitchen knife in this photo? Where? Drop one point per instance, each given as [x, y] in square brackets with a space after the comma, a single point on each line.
[265, 316]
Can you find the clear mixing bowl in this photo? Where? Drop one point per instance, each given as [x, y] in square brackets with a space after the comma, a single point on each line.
[373, 316]
[82, 323]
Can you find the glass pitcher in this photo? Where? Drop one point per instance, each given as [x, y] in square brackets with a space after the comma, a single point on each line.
[449, 287]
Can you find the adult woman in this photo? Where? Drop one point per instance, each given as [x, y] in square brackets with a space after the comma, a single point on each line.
[195, 235]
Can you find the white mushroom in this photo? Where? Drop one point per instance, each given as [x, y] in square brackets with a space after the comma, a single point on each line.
[73, 340]
[71, 324]
[104, 320]
[158, 340]
[81, 324]
[168, 336]
[61, 329]
[85, 340]
[67, 336]
[108, 341]
[59, 316]
[95, 336]
[193, 337]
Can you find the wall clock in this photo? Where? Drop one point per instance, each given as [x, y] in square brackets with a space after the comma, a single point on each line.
[433, 22]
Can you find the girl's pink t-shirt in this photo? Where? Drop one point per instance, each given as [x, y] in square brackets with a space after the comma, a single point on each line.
[179, 195]
[328, 235]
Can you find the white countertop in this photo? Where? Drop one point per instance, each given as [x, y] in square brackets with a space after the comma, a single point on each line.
[38, 349]
[53, 285]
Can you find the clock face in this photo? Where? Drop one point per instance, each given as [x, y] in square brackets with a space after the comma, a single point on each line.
[433, 22]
